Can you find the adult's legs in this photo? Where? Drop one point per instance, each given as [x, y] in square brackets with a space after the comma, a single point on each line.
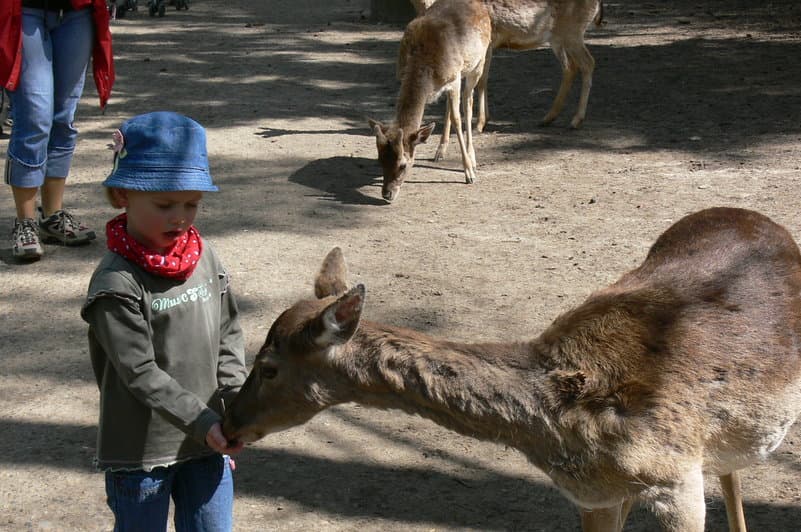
[53, 194]
[72, 41]
[24, 201]
[56, 51]
[32, 110]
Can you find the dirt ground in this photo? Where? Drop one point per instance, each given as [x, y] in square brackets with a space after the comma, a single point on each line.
[695, 103]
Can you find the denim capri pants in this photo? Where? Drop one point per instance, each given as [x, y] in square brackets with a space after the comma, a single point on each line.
[56, 47]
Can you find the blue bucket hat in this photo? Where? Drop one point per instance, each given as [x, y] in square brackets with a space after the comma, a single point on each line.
[161, 152]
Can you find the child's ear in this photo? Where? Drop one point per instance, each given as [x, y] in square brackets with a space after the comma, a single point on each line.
[118, 197]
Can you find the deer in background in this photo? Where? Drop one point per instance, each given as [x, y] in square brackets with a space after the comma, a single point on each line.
[530, 24]
[688, 364]
[448, 43]
[447, 29]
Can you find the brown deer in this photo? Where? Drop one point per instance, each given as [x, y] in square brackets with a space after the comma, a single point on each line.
[688, 364]
[530, 24]
[448, 43]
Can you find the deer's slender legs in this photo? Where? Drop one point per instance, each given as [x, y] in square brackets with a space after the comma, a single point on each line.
[733, 496]
[442, 148]
[481, 89]
[469, 89]
[574, 58]
[581, 57]
[568, 74]
[454, 100]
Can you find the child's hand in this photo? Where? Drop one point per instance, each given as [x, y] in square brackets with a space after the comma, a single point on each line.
[217, 441]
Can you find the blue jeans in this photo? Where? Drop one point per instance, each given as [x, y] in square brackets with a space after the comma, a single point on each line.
[202, 489]
[55, 54]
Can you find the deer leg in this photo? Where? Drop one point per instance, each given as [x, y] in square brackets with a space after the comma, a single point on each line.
[568, 74]
[467, 161]
[581, 57]
[733, 496]
[446, 132]
[469, 90]
[483, 109]
[601, 519]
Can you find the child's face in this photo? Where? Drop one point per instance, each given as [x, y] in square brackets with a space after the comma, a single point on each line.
[158, 219]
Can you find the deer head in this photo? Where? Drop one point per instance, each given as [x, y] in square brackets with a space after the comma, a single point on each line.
[292, 378]
[396, 154]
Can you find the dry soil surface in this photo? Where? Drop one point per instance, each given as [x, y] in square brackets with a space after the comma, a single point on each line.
[694, 104]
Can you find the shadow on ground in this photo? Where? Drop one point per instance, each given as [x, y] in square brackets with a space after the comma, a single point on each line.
[353, 489]
[341, 179]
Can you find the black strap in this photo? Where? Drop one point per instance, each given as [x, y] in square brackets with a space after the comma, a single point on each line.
[49, 5]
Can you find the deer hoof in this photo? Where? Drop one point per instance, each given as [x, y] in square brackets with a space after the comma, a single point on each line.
[576, 122]
[470, 176]
[440, 153]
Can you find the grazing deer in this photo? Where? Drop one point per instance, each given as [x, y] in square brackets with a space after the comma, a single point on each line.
[689, 364]
[530, 24]
[448, 43]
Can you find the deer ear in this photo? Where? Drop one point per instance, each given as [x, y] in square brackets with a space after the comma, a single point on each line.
[568, 386]
[378, 130]
[422, 134]
[341, 318]
[333, 275]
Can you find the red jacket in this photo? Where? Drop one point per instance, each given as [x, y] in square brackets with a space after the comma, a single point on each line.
[11, 45]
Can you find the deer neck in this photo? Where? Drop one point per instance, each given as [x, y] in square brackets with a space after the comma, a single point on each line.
[474, 389]
[412, 99]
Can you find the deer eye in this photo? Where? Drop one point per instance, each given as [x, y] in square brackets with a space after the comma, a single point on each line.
[402, 167]
[268, 372]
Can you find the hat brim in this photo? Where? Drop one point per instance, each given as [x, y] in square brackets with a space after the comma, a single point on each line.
[171, 180]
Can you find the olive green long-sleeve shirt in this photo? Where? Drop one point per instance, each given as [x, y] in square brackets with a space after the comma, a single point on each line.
[164, 352]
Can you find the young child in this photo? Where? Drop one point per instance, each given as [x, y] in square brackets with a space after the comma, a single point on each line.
[164, 338]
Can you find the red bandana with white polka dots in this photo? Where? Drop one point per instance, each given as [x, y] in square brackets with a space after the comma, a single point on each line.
[177, 263]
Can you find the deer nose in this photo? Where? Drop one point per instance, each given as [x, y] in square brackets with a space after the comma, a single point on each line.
[229, 424]
[389, 194]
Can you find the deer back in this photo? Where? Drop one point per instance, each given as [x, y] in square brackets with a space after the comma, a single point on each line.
[703, 340]
[527, 24]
